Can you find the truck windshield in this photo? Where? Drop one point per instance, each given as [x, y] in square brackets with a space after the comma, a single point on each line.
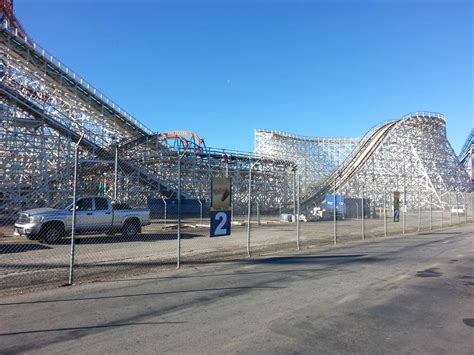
[63, 204]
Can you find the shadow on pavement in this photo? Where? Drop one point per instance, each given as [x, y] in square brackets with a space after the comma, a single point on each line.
[9, 248]
[439, 233]
[86, 328]
[12, 248]
[305, 259]
[145, 294]
[143, 237]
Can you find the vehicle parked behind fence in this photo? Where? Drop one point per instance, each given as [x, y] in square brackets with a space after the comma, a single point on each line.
[94, 214]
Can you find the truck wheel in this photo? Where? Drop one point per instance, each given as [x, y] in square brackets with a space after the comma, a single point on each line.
[131, 229]
[52, 234]
[33, 236]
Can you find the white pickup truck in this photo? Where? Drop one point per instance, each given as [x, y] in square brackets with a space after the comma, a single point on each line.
[94, 214]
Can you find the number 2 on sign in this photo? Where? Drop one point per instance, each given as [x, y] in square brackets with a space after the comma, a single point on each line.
[222, 217]
[220, 223]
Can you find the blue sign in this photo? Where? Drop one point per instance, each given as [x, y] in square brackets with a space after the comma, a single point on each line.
[396, 215]
[339, 202]
[220, 223]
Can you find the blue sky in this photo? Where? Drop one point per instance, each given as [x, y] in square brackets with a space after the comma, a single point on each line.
[223, 68]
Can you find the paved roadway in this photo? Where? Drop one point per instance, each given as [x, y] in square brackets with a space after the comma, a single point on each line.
[399, 295]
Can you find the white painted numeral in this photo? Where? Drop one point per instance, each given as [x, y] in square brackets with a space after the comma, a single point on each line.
[223, 219]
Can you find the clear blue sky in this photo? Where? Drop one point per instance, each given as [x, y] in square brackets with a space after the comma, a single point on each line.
[223, 68]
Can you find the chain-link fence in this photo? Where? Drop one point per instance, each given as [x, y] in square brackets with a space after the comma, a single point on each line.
[108, 215]
[122, 199]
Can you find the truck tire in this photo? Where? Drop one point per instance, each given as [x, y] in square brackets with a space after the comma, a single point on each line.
[131, 228]
[52, 233]
[33, 236]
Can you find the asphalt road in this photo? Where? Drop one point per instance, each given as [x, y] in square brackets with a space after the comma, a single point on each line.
[399, 295]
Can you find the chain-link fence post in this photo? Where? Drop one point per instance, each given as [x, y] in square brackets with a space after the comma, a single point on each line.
[457, 208]
[467, 203]
[231, 211]
[472, 205]
[257, 205]
[165, 204]
[419, 209]
[471, 199]
[249, 207]
[200, 212]
[404, 208]
[298, 212]
[115, 194]
[334, 209]
[431, 211]
[384, 212]
[294, 190]
[442, 212]
[362, 213]
[178, 237]
[465, 207]
[74, 206]
[450, 209]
